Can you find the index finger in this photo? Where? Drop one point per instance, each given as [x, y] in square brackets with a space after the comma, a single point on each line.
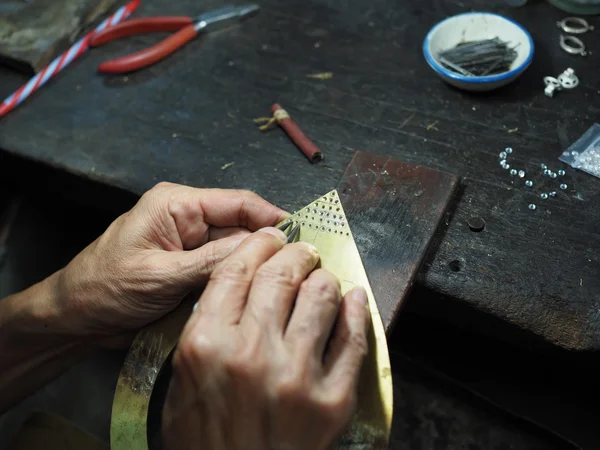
[238, 208]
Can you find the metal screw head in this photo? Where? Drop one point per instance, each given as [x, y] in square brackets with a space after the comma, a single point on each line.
[508, 150]
[561, 173]
[532, 206]
[563, 186]
[544, 195]
[529, 183]
[513, 172]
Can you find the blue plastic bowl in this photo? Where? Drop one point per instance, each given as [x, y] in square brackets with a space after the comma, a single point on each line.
[473, 26]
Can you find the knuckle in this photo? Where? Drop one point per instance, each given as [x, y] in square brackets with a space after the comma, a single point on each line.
[247, 363]
[247, 194]
[282, 275]
[303, 255]
[292, 390]
[161, 186]
[230, 269]
[337, 407]
[322, 287]
[194, 350]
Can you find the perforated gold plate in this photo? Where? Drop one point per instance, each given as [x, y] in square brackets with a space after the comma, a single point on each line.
[324, 225]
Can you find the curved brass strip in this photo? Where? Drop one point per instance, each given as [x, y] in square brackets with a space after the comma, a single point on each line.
[149, 351]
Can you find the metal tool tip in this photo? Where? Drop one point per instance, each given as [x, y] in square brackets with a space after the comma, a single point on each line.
[294, 234]
[284, 226]
[248, 10]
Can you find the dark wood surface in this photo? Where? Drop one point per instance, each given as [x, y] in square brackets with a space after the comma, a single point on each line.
[394, 209]
[530, 275]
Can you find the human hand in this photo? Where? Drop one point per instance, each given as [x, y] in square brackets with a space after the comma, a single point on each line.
[152, 256]
[270, 359]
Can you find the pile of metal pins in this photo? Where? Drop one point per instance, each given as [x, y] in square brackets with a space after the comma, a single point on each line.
[479, 58]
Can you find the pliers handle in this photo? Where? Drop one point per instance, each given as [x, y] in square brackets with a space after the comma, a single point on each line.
[184, 26]
[187, 28]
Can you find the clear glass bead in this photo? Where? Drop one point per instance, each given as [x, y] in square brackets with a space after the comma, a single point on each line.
[532, 206]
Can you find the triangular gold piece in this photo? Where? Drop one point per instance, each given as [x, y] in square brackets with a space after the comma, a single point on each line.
[324, 224]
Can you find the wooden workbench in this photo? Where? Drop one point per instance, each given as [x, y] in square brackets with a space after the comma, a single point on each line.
[531, 276]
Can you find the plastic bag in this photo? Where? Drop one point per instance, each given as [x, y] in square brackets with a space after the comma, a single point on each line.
[584, 154]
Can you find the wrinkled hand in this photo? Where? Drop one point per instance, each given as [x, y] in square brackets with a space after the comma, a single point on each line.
[271, 357]
[152, 256]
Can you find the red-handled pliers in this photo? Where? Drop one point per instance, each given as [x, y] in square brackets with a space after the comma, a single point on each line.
[187, 28]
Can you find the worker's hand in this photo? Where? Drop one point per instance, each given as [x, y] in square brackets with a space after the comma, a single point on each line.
[270, 358]
[152, 256]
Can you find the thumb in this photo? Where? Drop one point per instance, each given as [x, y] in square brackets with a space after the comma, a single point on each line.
[192, 268]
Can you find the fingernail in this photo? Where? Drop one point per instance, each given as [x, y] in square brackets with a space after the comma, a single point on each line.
[359, 294]
[274, 232]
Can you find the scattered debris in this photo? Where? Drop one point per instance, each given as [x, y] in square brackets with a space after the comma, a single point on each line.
[431, 126]
[228, 165]
[321, 76]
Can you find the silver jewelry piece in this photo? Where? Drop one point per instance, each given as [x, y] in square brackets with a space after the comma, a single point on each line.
[572, 45]
[552, 84]
[568, 79]
[574, 25]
